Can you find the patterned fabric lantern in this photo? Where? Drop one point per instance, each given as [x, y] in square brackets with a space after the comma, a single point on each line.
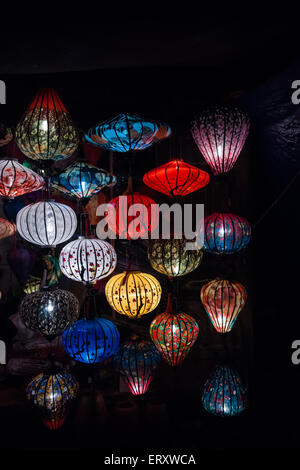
[173, 334]
[226, 233]
[49, 311]
[223, 394]
[32, 285]
[87, 260]
[121, 221]
[91, 340]
[82, 180]
[220, 134]
[127, 132]
[133, 293]
[52, 395]
[170, 257]
[137, 361]
[46, 223]
[16, 179]
[223, 300]
[176, 178]
[46, 130]
[7, 228]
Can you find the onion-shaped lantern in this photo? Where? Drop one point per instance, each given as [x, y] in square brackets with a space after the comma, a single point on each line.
[226, 233]
[87, 260]
[176, 178]
[46, 223]
[224, 394]
[136, 362]
[46, 130]
[133, 293]
[91, 340]
[223, 300]
[170, 257]
[7, 228]
[173, 334]
[52, 394]
[220, 134]
[49, 311]
[127, 132]
[82, 180]
[17, 179]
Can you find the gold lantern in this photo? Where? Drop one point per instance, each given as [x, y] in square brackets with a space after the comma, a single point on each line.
[133, 293]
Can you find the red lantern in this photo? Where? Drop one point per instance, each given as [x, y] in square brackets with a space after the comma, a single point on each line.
[7, 228]
[176, 178]
[16, 179]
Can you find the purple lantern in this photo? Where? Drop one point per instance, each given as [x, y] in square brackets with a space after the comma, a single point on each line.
[21, 260]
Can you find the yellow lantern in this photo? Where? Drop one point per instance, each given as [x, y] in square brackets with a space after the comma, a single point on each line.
[133, 293]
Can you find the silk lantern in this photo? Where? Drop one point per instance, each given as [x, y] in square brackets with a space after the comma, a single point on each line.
[21, 261]
[7, 228]
[226, 233]
[16, 179]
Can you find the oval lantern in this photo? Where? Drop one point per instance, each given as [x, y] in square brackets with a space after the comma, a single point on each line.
[223, 300]
[16, 179]
[174, 334]
[171, 258]
[82, 180]
[133, 293]
[87, 260]
[46, 223]
[91, 340]
[132, 216]
[49, 311]
[52, 395]
[46, 130]
[7, 228]
[226, 233]
[127, 132]
[224, 394]
[220, 134]
[21, 261]
[176, 178]
[136, 362]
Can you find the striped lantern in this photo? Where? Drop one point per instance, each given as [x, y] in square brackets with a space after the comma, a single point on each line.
[17, 179]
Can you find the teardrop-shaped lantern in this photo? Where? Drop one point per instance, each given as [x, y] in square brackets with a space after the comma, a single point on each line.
[46, 130]
[176, 178]
[17, 179]
[224, 394]
[7, 228]
[220, 134]
[82, 180]
[136, 362]
[46, 223]
[133, 293]
[223, 300]
[174, 334]
[226, 233]
[127, 132]
[87, 260]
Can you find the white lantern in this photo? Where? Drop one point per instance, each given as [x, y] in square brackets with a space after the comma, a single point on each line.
[87, 260]
[46, 223]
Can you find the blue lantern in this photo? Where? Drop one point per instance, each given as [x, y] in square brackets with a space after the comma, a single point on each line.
[224, 394]
[82, 180]
[127, 132]
[226, 233]
[91, 340]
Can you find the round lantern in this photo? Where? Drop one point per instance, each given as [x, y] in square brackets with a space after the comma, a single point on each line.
[223, 300]
[176, 178]
[132, 216]
[137, 361]
[7, 228]
[170, 257]
[52, 395]
[46, 130]
[133, 293]
[87, 260]
[226, 233]
[224, 394]
[16, 179]
[82, 180]
[49, 311]
[173, 334]
[46, 223]
[127, 132]
[220, 134]
[91, 340]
